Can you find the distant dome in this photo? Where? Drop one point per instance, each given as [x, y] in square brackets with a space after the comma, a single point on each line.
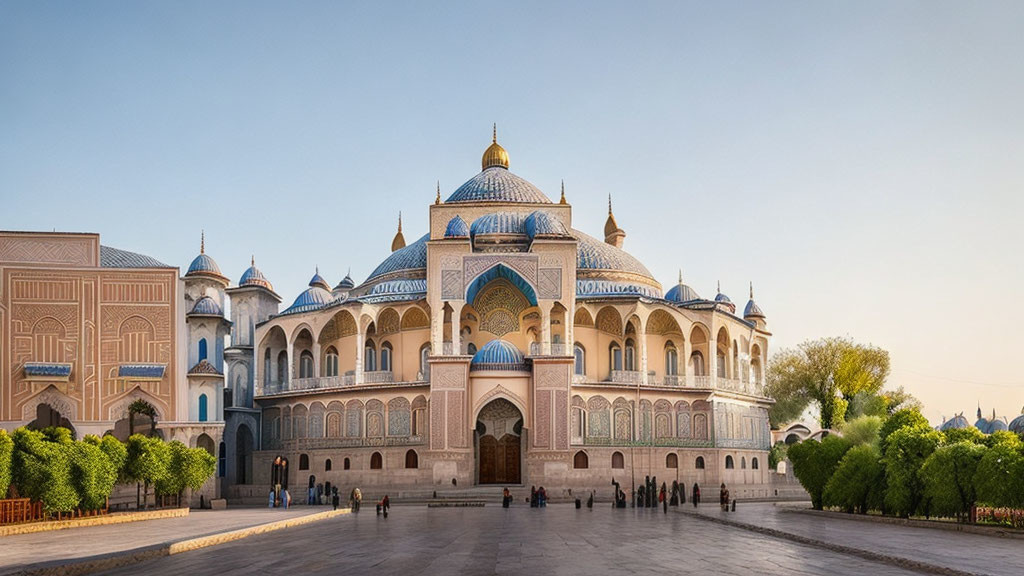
[318, 280]
[206, 306]
[682, 292]
[1017, 424]
[497, 223]
[253, 277]
[957, 422]
[312, 298]
[498, 355]
[997, 425]
[543, 224]
[457, 228]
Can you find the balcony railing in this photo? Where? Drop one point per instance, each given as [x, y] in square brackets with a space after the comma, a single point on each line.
[556, 349]
[673, 380]
[324, 442]
[701, 382]
[626, 376]
[379, 377]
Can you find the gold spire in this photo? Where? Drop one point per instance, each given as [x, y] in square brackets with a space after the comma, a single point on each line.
[562, 201]
[612, 233]
[202, 241]
[437, 199]
[495, 155]
[494, 133]
[399, 241]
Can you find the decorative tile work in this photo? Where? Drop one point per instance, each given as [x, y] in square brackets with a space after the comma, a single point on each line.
[609, 321]
[399, 417]
[542, 419]
[388, 322]
[414, 319]
[700, 426]
[497, 184]
[354, 419]
[561, 426]
[374, 425]
[582, 318]
[549, 283]
[525, 265]
[59, 402]
[683, 425]
[499, 306]
[598, 417]
[451, 285]
[438, 406]
[456, 419]
[67, 250]
[623, 426]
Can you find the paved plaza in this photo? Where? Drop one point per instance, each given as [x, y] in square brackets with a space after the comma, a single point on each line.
[557, 540]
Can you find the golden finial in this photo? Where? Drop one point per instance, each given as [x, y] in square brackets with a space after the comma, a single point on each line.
[562, 201]
[612, 233]
[437, 200]
[399, 221]
[495, 155]
[398, 242]
[494, 134]
[202, 241]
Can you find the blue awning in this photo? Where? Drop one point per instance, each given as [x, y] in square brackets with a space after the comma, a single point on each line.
[141, 371]
[51, 370]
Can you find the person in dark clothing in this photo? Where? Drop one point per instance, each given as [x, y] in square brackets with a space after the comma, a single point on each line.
[696, 494]
[506, 498]
[723, 498]
[533, 496]
[663, 497]
[386, 504]
[335, 499]
[542, 497]
[590, 500]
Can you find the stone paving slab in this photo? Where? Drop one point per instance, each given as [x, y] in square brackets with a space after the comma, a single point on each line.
[558, 540]
[23, 550]
[960, 551]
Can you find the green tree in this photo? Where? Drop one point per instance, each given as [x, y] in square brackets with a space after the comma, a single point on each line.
[188, 468]
[92, 473]
[862, 430]
[948, 475]
[829, 372]
[856, 485]
[1000, 437]
[999, 480]
[900, 399]
[900, 419]
[969, 434]
[146, 463]
[6, 456]
[116, 452]
[42, 470]
[814, 463]
[907, 449]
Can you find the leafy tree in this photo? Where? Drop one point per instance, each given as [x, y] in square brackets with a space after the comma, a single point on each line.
[856, 485]
[900, 399]
[42, 470]
[6, 456]
[187, 468]
[969, 434]
[829, 372]
[907, 449]
[92, 473]
[948, 475]
[147, 462]
[899, 419]
[116, 452]
[999, 479]
[863, 430]
[814, 463]
[1000, 437]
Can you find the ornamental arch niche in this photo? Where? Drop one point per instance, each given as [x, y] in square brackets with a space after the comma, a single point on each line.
[498, 438]
[500, 296]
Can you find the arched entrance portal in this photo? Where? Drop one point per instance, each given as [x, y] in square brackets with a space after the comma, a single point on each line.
[499, 429]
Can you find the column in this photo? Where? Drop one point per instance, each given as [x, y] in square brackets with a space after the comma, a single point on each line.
[545, 329]
[686, 373]
[642, 336]
[712, 363]
[360, 345]
[436, 329]
[316, 360]
[456, 329]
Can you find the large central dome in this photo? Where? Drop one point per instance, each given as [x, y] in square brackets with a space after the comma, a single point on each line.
[497, 184]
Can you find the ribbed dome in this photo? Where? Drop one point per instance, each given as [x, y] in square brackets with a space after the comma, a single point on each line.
[312, 298]
[206, 306]
[498, 355]
[593, 254]
[997, 425]
[543, 224]
[346, 283]
[957, 421]
[203, 264]
[457, 228]
[722, 298]
[682, 292]
[412, 257]
[1017, 424]
[253, 277]
[318, 280]
[497, 223]
[497, 184]
[494, 156]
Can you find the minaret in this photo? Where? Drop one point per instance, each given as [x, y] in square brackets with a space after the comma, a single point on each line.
[399, 241]
[562, 201]
[612, 233]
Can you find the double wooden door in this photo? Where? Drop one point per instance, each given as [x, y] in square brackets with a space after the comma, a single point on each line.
[499, 460]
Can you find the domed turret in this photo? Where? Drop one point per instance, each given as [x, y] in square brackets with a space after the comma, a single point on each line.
[253, 277]
[681, 292]
[318, 281]
[955, 422]
[724, 300]
[206, 306]
[612, 233]
[399, 240]
[495, 155]
[752, 311]
[315, 297]
[498, 355]
[543, 224]
[344, 287]
[1017, 424]
[204, 265]
[457, 228]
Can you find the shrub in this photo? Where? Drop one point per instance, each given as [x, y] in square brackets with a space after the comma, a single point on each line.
[1000, 437]
[999, 479]
[92, 474]
[776, 454]
[899, 419]
[6, 455]
[187, 468]
[908, 448]
[147, 461]
[42, 469]
[948, 475]
[856, 485]
[863, 430]
[814, 463]
[969, 434]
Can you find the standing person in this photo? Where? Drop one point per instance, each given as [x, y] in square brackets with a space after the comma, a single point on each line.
[335, 499]
[590, 499]
[357, 499]
[506, 498]
[696, 494]
[663, 498]
[723, 498]
[542, 497]
[533, 496]
[270, 499]
[386, 504]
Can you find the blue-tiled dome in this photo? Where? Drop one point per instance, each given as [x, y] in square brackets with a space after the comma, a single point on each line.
[396, 290]
[593, 254]
[498, 355]
[543, 224]
[1017, 424]
[318, 280]
[206, 306]
[203, 264]
[497, 184]
[412, 257]
[312, 298]
[346, 283]
[752, 310]
[497, 223]
[722, 298]
[996, 426]
[957, 421]
[253, 277]
[682, 292]
[457, 228]
[600, 288]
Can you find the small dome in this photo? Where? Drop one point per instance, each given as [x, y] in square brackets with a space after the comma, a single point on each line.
[495, 155]
[318, 281]
[543, 224]
[497, 223]
[346, 283]
[312, 298]
[498, 355]
[957, 421]
[457, 228]
[997, 425]
[722, 297]
[1017, 424]
[253, 277]
[206, 306]
[682, 292]
[203, 264]
[752, 310]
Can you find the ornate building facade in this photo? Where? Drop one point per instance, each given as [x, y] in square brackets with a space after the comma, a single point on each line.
[503, 346]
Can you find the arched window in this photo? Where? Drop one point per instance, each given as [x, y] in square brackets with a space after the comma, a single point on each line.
[697, 359]
[385, 356]
[266, 368]
[699, 463]
[331, 368]
[615, 356]
[203, 408]
[471, 349]
[202, 349]
[671, 360]
[743, 462]
[579, 423]
[581, 359]
[370, 357]
[346, 464]
[729, 464]
[424, 362]
[328, 465]
[376, 461]
[618, 462]
[580, 461]
[412, 460]
[282, 367]
[303, 461]
[753, 463]
[671, 461]
[306, 364]
[630, 355]
[720, 369]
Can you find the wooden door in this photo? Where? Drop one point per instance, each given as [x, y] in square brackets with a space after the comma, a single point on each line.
[488, 458]
[509, 448]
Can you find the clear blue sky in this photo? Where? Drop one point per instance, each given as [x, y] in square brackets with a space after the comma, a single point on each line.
[860, 162]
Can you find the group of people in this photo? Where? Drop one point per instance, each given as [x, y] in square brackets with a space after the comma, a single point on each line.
[538, 497]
